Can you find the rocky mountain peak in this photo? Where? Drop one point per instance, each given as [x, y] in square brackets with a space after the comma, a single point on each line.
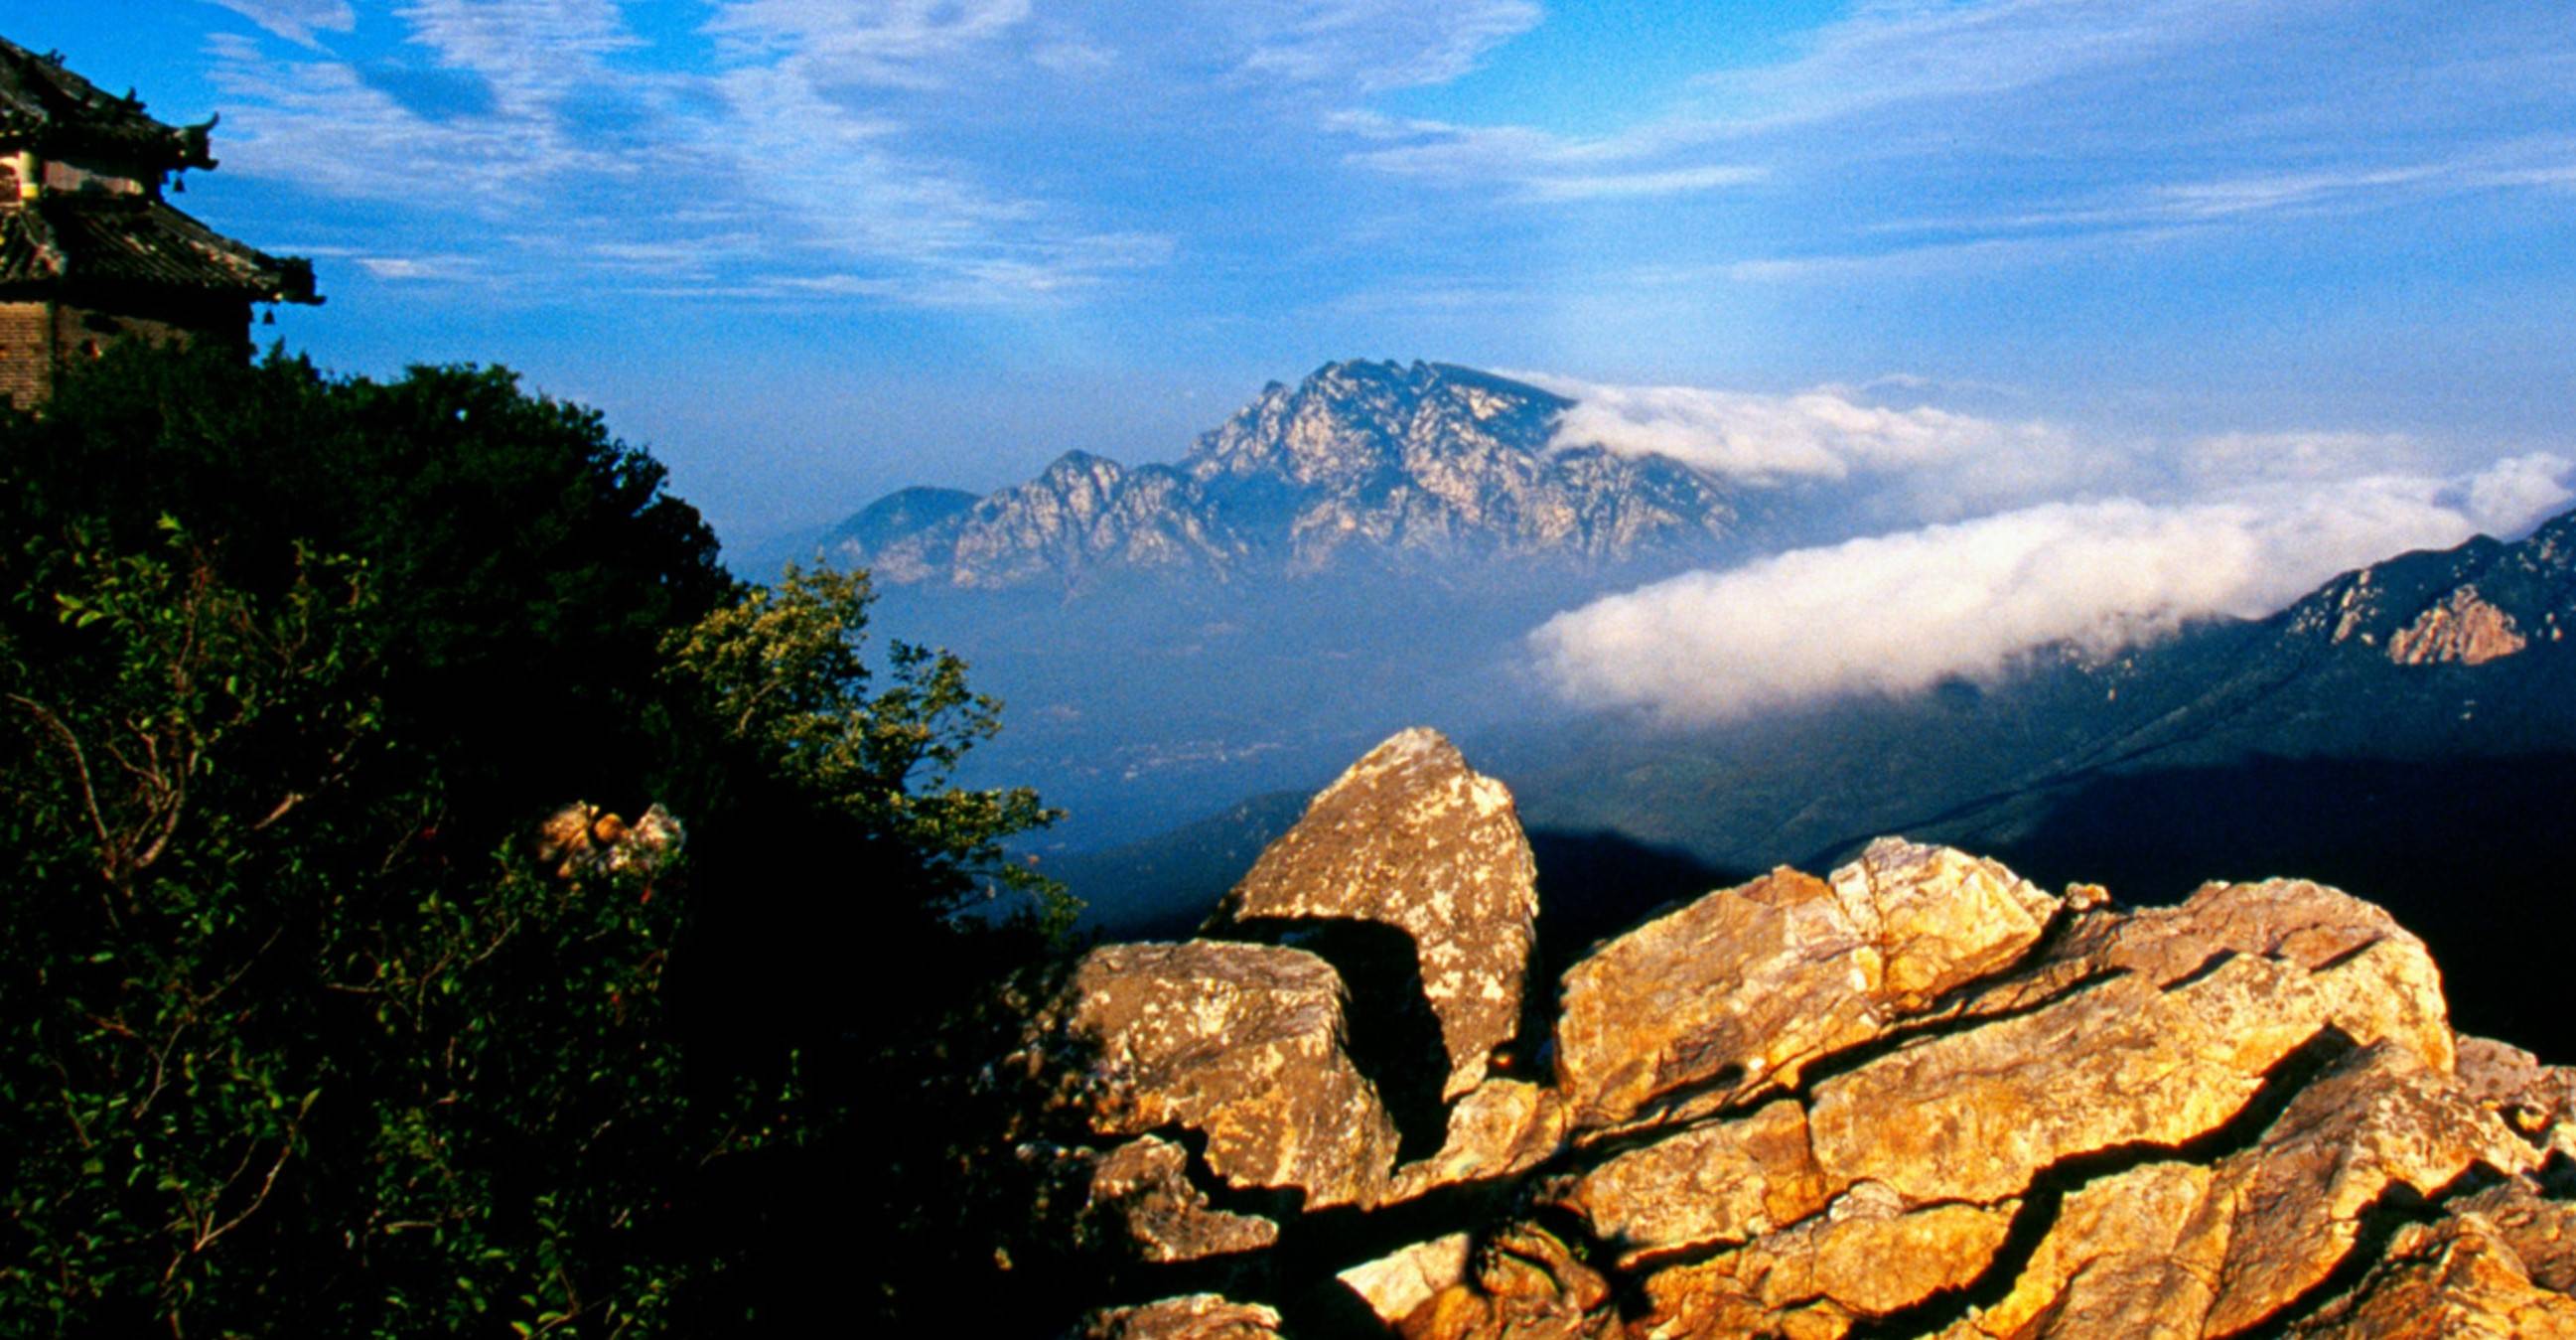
[1360, 460]
[1917, 1097]
[1351, 423]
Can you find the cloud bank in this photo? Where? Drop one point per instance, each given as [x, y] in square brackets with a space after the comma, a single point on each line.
[1898, 613]
[1818, 434]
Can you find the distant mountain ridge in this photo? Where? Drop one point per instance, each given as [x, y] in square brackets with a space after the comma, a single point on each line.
[1360, 463]
[2428, 656]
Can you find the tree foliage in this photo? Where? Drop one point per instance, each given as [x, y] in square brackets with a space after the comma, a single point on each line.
[305, 1028]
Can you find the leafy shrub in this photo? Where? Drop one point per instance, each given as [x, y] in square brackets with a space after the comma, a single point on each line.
[305, 1029]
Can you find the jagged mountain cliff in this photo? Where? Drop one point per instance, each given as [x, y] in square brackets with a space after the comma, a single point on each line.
[1360, 463]
[1919, 1097]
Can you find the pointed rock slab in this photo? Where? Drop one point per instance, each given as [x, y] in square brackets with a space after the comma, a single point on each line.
[1242, 1043]
[1734, 994]
[2289, 921]
[1526, 1285]
[2173, 1018]
[1974, 1115]
[1410, 837]
[1937, 919]
[2174, 1249]
[2537, 1101]
[2541, 1231]
[1397, 1284]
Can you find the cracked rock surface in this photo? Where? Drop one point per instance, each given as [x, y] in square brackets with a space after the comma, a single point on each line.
[1915, 1097]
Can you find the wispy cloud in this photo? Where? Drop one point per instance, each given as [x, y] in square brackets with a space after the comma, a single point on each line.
[296, 20]
[1866, 457]
[1533, 164]
[1903, 51]
[777, 173]
[1369, 46]
[905, 43]
[2035, 132]
[868, 148]
[2519, 165]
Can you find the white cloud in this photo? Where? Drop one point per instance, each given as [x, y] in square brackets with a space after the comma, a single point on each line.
[1368, 46]
[1638, 185]
[2235, 458]
[414, 267]
[1898, 613]
[1920, 117]
[296, 20]
[1074, 58]
[1896, 51]
[1537, 165]
[903, 43]
[2513, 495]
[1817, 434]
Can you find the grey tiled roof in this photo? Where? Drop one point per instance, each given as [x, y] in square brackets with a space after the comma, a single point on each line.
[125, 240]
[46, 107]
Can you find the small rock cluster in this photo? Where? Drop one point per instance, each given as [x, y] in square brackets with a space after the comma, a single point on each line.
[1917, 1097]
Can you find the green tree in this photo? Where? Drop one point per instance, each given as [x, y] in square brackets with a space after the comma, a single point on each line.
[306, 1029]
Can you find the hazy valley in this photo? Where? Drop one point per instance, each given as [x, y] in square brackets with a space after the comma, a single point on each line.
[1186, 649]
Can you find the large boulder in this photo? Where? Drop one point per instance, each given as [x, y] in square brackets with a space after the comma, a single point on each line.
[1241, 1043]
[1412, 838]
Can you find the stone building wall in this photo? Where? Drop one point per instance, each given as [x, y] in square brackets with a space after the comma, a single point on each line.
[26, 351]
[39, 338]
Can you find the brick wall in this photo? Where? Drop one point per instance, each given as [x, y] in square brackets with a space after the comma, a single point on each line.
[38, 337]
[26, 351]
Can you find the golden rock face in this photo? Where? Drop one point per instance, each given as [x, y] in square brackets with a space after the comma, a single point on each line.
[1918, 1097]
[2464, 629]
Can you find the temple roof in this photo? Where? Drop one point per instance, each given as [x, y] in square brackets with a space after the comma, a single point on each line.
[47, 108]
[121, 240]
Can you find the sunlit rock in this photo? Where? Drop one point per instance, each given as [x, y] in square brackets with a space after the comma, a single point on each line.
[1866, 1257]
[1242, 1043]
[1738, 992]
[1411, 838]
[2462, 629]
[1203, 1316]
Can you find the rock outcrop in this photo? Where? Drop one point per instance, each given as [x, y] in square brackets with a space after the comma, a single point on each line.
[1916, 1097]
[1411, 838]
[2463, 628]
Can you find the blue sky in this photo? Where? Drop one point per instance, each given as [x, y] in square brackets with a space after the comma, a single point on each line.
[809, 250]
